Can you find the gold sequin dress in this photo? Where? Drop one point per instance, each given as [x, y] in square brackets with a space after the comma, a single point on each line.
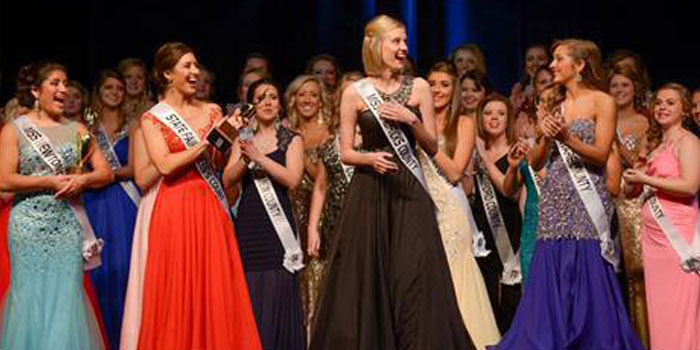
[629, 213]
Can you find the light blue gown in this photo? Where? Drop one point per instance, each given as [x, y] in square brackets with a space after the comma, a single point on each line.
[46, 307]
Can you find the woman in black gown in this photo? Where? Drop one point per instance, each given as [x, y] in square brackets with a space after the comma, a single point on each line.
[388, 285]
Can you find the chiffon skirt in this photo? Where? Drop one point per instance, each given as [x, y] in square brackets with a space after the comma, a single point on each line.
[388, 285]
[572, 302]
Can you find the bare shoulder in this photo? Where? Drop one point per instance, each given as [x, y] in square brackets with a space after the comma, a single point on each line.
[420, 84]
[602, 99]
[689, 141]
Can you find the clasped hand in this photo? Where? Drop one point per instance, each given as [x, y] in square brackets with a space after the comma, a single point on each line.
[398, 113]
[551, 126]
[68, 186]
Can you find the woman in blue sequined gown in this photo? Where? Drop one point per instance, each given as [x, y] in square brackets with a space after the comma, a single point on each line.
[573, 299]
[46, 307]
[112, 209]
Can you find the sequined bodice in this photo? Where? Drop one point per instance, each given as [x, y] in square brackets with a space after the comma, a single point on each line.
[562, 212]
[44, 235]
[63, 139]
[372, 134]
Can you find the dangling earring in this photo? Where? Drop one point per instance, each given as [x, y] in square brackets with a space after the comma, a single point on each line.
[579, 78]
[37, 107]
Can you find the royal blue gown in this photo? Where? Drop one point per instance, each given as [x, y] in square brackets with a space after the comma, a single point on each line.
[112, 214]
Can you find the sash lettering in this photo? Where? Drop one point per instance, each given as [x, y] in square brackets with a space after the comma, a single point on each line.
[510, 261]
[293, 257]
[43, 146]
[591, 200]
[107, 149]
[189, 137]
[392, 131]
[689, 255]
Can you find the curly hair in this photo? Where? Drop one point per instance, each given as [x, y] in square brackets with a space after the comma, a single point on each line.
[291, 96]
[654, 133]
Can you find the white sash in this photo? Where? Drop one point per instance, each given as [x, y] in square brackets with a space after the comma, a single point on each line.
[591, 200]
[689, 255]
[293, 257]
[168, 116]
[392, 131]
[107, 149]
[511, 262]
[43, 147]
[348, 170]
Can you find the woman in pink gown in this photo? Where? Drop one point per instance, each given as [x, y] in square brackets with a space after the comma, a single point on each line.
[670, 181]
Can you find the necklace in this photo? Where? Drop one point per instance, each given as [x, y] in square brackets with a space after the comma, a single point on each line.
[265, 145]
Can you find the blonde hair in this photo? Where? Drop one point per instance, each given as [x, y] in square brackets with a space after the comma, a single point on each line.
[588, 52]
[372, 43]
[290, 95]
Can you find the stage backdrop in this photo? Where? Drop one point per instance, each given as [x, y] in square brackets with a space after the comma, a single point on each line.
[91, 35]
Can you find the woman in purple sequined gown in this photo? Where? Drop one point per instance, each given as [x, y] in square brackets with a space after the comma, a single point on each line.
[573, 299]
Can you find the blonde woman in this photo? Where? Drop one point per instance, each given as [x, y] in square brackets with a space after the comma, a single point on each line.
[309, 115]
[388, 284]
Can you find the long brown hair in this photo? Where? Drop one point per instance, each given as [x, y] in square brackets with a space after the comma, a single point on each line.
[639, 87]
[453, 115]
[654, 133]
[588, 52]
[96, 101]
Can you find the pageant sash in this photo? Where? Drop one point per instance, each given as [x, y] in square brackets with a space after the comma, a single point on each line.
[348, 170]
[689, 255]
[392, 131]
[510, 261]
[591, 200]
[293, 256]
[44, 148]
[107, 149]
[169, 117]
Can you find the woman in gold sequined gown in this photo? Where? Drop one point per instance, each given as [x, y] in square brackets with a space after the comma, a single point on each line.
[456, 137]
[624, 84]
[309, 114]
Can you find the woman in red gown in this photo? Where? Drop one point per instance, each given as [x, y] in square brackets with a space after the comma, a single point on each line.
[195, 295]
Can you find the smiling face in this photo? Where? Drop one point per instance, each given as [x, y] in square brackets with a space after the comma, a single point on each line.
[668, 108]
[325, 70]
[74, 102]
[267, 103]
[112, 93]
[622, 90]
[564, 66]
[308, 100]
[184, 75]
[442, 86]
[135, 79]
[535, 57]
[465, 61]
[471, 94]
[495, 119]
[542, 80]
[394, 49]
[52, 93]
